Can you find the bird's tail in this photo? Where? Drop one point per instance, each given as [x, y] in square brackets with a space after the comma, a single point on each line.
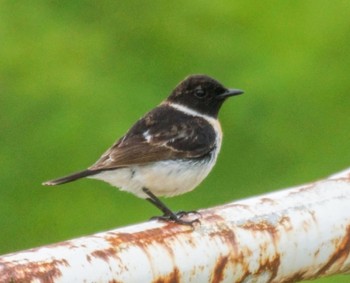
[70, 178]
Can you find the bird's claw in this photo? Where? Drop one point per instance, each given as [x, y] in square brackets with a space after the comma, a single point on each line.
[176, 218]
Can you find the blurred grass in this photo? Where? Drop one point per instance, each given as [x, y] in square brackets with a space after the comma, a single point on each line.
[74, 75]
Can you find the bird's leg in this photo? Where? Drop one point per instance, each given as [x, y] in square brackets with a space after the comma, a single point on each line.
[168, 214]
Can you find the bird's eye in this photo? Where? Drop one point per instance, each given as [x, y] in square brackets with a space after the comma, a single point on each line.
[200, 93]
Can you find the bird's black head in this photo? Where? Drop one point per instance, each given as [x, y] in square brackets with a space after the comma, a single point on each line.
[201, 93]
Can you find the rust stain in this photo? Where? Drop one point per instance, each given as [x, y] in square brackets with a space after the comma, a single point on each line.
[227, 234]
[304, 188]
[340, 255]
[270, 265]
[296, 277]
[218, 274]
[196, 270]
[239, 205]
[286, 223]
[244, 277]
[312, 213]
[306, 225]
[191, 242]
[342, 179]
[260, 226]
[67, 244]
[213, 218]
[230, 239]
[264, 226]
[45, 272]
[88, 258]
[155, 235]
[267, 200]
[172, 277]
[163, 237]
[104, 254]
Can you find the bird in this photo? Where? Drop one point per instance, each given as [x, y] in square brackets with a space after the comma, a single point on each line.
[170, 150]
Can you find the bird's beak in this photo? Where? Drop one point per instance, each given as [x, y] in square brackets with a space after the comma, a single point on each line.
[230, 92]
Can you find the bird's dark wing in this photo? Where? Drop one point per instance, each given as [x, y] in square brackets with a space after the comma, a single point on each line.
[163, 134]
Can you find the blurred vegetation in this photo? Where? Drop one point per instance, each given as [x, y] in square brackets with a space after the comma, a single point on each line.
[74, 75]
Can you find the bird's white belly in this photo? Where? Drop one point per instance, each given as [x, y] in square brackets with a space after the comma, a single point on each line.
[165, 178]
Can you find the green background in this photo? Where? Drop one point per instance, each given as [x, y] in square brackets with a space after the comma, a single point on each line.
[74, 76]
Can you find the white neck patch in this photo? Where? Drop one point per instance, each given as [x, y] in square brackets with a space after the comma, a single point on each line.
[192, 112]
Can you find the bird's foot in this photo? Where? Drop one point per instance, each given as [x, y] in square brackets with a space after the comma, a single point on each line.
[176, 218]
[185, 213]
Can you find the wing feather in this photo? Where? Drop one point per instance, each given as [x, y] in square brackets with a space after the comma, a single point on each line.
[163, 134]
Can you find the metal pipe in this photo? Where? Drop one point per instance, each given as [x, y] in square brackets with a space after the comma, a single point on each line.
[285, 236]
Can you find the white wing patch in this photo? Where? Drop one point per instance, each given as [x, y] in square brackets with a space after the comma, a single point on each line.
[147, 136]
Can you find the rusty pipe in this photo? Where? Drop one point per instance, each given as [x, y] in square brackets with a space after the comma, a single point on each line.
[286, 236]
